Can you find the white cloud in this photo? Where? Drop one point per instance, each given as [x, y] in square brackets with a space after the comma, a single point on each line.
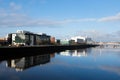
[14, 6]
[28, 21]
[110, 18]
[78, 20]
[14, 19]
[10, 17]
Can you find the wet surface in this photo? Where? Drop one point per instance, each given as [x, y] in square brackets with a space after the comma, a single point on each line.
[81, 64]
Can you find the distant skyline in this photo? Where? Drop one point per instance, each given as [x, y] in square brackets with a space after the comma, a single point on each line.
[98, 19]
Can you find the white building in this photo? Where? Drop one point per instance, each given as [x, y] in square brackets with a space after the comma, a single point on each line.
[80, 39]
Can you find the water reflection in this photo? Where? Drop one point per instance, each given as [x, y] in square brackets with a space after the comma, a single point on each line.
[76, 53]
[80, 64]
[24, 63]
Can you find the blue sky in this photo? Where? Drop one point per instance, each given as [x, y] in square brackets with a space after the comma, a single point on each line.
[98, 19]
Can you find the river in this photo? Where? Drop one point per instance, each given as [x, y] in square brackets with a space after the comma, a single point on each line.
[81, 64]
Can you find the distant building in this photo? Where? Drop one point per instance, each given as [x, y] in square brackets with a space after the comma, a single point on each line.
[89, 40]
[52, 40]
[64, 42]
[3, 41]
[57, 41]
[72, 42]
[80, 39]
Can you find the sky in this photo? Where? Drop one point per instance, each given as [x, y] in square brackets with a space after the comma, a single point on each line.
[98, 19]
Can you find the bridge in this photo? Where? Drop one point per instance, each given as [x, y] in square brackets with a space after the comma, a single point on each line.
[109, 44]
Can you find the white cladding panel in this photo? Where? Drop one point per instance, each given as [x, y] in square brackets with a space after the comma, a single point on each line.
[32, 40]
[13, 36]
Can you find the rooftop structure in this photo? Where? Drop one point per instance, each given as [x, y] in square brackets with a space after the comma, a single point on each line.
[23, 31]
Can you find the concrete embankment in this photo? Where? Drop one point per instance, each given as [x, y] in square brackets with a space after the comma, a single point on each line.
[34, 50]
[40, 49]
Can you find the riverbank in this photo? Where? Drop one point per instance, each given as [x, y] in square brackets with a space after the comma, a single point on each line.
[13, 51]
[42, 48]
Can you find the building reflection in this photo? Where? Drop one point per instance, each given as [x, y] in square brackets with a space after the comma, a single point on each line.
[27, 62]
[75, 53]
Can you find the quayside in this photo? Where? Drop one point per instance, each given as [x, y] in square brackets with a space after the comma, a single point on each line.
[32, 50]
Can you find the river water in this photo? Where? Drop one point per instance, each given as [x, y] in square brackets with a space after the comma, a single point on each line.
[82, 64]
